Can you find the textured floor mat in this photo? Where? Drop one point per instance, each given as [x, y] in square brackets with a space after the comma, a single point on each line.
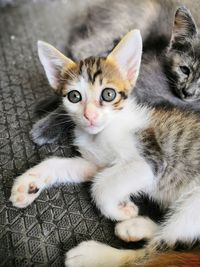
[61, 217]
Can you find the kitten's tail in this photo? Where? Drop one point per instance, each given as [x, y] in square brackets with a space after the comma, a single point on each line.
[175, 259]
[144, 258]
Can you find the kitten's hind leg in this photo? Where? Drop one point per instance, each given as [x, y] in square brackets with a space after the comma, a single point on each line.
[29, 185]
[182, 223]
[136, 229]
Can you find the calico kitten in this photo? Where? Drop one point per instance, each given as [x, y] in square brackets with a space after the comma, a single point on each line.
[159, 76]
[127, 148]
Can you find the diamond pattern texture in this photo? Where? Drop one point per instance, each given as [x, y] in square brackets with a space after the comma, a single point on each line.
[61, 217]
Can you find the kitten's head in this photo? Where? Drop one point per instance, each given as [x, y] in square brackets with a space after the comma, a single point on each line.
[183, 56]
[94, 90]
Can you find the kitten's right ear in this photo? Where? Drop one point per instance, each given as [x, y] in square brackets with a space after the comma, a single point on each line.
[184, 25]
[54, 63]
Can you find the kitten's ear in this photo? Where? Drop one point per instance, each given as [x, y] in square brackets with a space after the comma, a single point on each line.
[54, 63]
[184, 25]
[127, 55]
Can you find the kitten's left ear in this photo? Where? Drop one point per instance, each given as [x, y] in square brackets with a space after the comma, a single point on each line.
[127, 55]
[184, 25]
[54, 63]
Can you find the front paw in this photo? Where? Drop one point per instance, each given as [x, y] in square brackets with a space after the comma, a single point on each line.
[26, 189]
[92, 254]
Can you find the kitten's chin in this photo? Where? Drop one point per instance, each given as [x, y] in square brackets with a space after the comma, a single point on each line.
[93, 129]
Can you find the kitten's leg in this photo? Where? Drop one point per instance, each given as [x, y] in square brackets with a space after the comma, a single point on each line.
[52, 127]
[29, 185]
[95, 254]
[183, 221]
[136, 229]
[112, 187]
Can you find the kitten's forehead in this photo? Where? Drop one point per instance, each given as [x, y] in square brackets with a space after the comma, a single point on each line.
[99, 71]
[187, 51]
[91, 69]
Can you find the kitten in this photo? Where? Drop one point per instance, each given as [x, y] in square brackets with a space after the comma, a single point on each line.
[127, 148]
[158, 76]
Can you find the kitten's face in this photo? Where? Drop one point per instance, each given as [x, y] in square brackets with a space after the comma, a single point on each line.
[184, 69]
[95, 94]
[183, 57]
[94, 90]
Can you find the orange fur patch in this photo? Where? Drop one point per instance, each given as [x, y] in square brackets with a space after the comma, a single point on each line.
[175, 259]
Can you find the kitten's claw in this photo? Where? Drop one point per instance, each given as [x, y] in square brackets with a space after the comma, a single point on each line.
[26, 189]
[135, 229]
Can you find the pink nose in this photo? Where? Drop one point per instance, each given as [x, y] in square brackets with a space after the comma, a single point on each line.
[90, 114]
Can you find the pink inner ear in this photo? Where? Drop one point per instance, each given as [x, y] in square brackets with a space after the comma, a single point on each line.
[131, 73]
[131, 68]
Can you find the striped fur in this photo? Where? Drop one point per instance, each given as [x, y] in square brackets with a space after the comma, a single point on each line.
[97, 71]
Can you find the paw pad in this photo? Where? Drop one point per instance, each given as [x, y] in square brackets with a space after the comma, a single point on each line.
[33, 189]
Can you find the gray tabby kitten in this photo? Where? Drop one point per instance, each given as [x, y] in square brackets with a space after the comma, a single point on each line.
[156, 84]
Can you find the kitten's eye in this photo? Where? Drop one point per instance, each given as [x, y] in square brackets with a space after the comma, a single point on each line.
[74, 96]
[185, 70]
[108, 94]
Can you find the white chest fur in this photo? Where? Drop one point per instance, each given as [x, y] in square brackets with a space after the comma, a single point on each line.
[114, 144]
[104, 149]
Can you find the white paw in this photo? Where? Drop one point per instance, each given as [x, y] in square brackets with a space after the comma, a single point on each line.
[135, 229]
[119, 212]
[128, 210]
[92, 254]
[26, 188]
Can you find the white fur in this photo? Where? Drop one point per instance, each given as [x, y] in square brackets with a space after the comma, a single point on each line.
[49, 172]
[94, 254]
[114, 185]
[183, 222]
[136, 229]
[115, 143]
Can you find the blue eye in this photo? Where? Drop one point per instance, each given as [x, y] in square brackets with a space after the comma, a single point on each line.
[74, 96]
[108, 94]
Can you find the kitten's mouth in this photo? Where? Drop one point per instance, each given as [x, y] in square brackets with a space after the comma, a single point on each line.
[188, 96]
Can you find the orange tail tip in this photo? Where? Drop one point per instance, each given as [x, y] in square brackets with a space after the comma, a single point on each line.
[175, 259]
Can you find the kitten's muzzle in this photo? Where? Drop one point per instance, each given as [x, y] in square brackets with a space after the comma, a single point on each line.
[189, 94]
